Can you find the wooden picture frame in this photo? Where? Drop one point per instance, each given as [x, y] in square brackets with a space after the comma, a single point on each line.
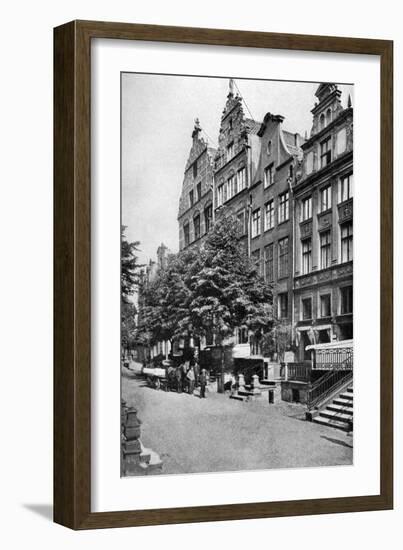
[72, 270]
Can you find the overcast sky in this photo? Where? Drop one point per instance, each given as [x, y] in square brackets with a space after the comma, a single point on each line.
[158, 113]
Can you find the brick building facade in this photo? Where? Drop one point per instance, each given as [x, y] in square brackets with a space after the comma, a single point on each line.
[195, 214]
[323, 199]
[272, 211]
[293, 199]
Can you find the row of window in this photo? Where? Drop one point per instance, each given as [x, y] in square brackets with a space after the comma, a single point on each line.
[208, 216]
[235, 184]
[324, 305]
[268, 266]
[283, 214]
[192, 195]
[325, 197]
[325, 244]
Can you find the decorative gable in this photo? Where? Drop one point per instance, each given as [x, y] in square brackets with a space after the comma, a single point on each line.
[328, 107]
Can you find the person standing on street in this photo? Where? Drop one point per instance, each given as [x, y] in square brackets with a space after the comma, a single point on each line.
[179, 379]
[203, 383]
[190, 376]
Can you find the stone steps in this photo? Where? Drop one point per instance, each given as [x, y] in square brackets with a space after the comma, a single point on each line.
[338, 413]
[336, 407]
[343, 402]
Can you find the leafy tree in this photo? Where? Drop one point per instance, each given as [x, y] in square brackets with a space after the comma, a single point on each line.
[165, 299]
[277, 341]
[128, 324]
[226, 288]
[130, 279]
[130, 268]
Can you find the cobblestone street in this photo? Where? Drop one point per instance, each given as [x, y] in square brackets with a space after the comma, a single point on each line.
[220, 434]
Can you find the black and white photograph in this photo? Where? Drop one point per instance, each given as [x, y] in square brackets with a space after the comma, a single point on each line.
[236, 274]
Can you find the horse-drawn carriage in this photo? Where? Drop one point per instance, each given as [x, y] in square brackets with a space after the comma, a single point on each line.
[165, 376]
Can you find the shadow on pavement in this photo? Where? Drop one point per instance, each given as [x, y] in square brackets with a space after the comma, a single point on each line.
[336, 441]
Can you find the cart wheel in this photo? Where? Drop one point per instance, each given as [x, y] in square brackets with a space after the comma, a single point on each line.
[157, 383]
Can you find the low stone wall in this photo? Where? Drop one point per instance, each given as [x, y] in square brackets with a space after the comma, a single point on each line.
[294, 391]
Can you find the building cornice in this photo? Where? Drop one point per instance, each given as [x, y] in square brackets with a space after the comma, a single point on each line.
[323, 173]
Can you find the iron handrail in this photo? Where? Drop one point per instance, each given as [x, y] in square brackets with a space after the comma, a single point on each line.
[326, 385]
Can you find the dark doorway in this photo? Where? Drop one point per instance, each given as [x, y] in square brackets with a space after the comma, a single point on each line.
[295, 396]
[305, 355]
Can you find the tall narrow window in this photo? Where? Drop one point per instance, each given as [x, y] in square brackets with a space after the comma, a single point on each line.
[282, 305]
[306, 309]
[191, 198]
[268, 175]
[325, 305]
[325, 152]
[322, 121]
[208, 216]
[325, 198]
[283, 207]
[309, 162]
[346, 233]
[230, 151]
[268, 263]
[306, 209]
[186, 234]
[231, 187]
[283, 257]
[220, 194]
[198, 191]
[196, 225]
[269, 215]
[325, 246]
[241, 177]
[225, 192]
[195, 169]
[256, 259]
[241, 221]
[306, 255]
[256, 223]
[346, 188]
[346, 300]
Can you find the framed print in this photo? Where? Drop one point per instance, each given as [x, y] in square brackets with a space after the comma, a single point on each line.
[223, 275]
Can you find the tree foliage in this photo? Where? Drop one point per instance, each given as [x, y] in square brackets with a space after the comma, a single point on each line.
[210, 290]
[130, 280]
[227, 290]
[130, 268]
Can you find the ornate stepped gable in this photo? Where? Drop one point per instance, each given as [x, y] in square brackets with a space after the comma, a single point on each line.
[329, 104]
[198, 149]
[234, 129]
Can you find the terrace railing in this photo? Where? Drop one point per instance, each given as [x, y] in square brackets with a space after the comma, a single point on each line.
[299, 371]
[334, 358]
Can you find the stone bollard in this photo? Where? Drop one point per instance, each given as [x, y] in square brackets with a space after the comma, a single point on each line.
[131, 446]
[255, 383]
[241, 381]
